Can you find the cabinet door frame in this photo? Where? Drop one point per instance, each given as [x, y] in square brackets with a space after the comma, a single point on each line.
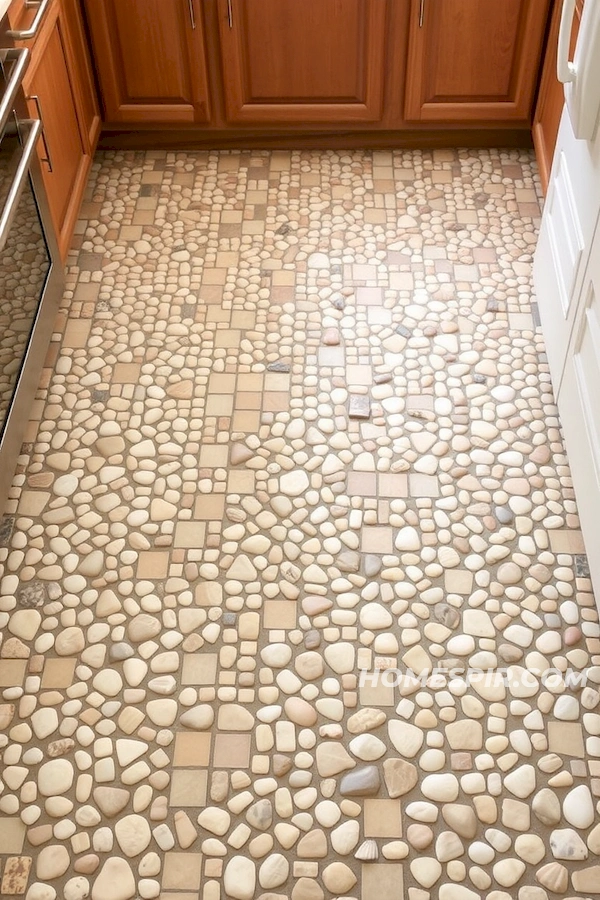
[240, 109]
[64, 225]
[517, 108]
[103, 29]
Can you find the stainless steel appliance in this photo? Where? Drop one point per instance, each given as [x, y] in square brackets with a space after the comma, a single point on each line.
[31, 273]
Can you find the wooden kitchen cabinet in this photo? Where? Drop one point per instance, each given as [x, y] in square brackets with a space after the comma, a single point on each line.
[59, 93]
[150, 60]
[474, 60]
[286, 62]
[551, 97]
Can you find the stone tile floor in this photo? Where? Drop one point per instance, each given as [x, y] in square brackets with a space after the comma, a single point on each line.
[295, 445]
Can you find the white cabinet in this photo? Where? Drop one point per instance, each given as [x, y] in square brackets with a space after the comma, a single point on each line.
[567, 284]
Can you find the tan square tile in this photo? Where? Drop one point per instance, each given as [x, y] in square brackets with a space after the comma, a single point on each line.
[126, 373]
[12, 672]
[219, 405]
[33, 503]
[276, 401]
[208, 593]
[361, 484]
[12, 834]
[58, 673]
[153, 564]
[331, 357]
[567, 738]
[241, 318]
[383, 818]
[214, 276]
[192, 749]
[241, 481]
[189, 535]
[232, 751]
[181, 871]
[377, 540]
[228, 338]
[277, 381]
[279, 614]
[199, 668]
[248, 400]
[423, 485]
[458, 581]
[77, 333]
[369, 296]
[209, 507]
[362, 375]
[188, 788]
[393, 485]
[213, 456]
[376, 693]
[246, 420]
[382, 881]
[563, 540]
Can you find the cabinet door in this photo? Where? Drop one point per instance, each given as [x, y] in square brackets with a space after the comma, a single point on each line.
[150, 59]
[83, 76]
[287, 61]
[551, 96]
[474, 60]
[62, 153]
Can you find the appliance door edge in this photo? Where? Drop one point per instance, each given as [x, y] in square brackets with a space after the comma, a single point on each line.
[19, 412]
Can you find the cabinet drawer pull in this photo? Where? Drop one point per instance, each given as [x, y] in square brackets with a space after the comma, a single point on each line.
[230, 13]
[192, 13]
[421, 13]
[31, 32]
[47, 158]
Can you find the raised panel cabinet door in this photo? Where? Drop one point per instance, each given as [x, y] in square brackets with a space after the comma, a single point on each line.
[474, 60]
[150, 59]
[551, 96]
[301, 61]
[62, 154]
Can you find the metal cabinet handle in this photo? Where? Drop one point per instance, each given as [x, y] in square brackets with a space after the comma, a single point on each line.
[565, 70]
[421, 13]
[192, 13]
[31, 32]
[47, 158]
[16, 188]
[230, 13]
[20, 57]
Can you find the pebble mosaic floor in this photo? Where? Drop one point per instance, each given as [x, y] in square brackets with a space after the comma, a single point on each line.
[294, 597]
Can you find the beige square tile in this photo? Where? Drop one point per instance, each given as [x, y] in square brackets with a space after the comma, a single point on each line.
[209, 506]
[181, 871]
[208, 593]
[77, 333]
[279, 614]
[219, 405]
[362, 375]
[58, 673]
[458, 581]
[276, 401]
[12, 834]
[12, 672]
[423, 485]
[199, 668]
[241, 481]
[369, 296]
[126, 373]
[246, 420]
[213, 456]
[192, 749]
[377, 540]
[33, 503]
[382, 818]
[189, 535]
[566, 738]
[393, 485]
[563, 540]
[382, 881]
[153, 564]
[228, 338]
[376, 693]
[361, 484]
[188, 788]
[248, 400]
[232, 751]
